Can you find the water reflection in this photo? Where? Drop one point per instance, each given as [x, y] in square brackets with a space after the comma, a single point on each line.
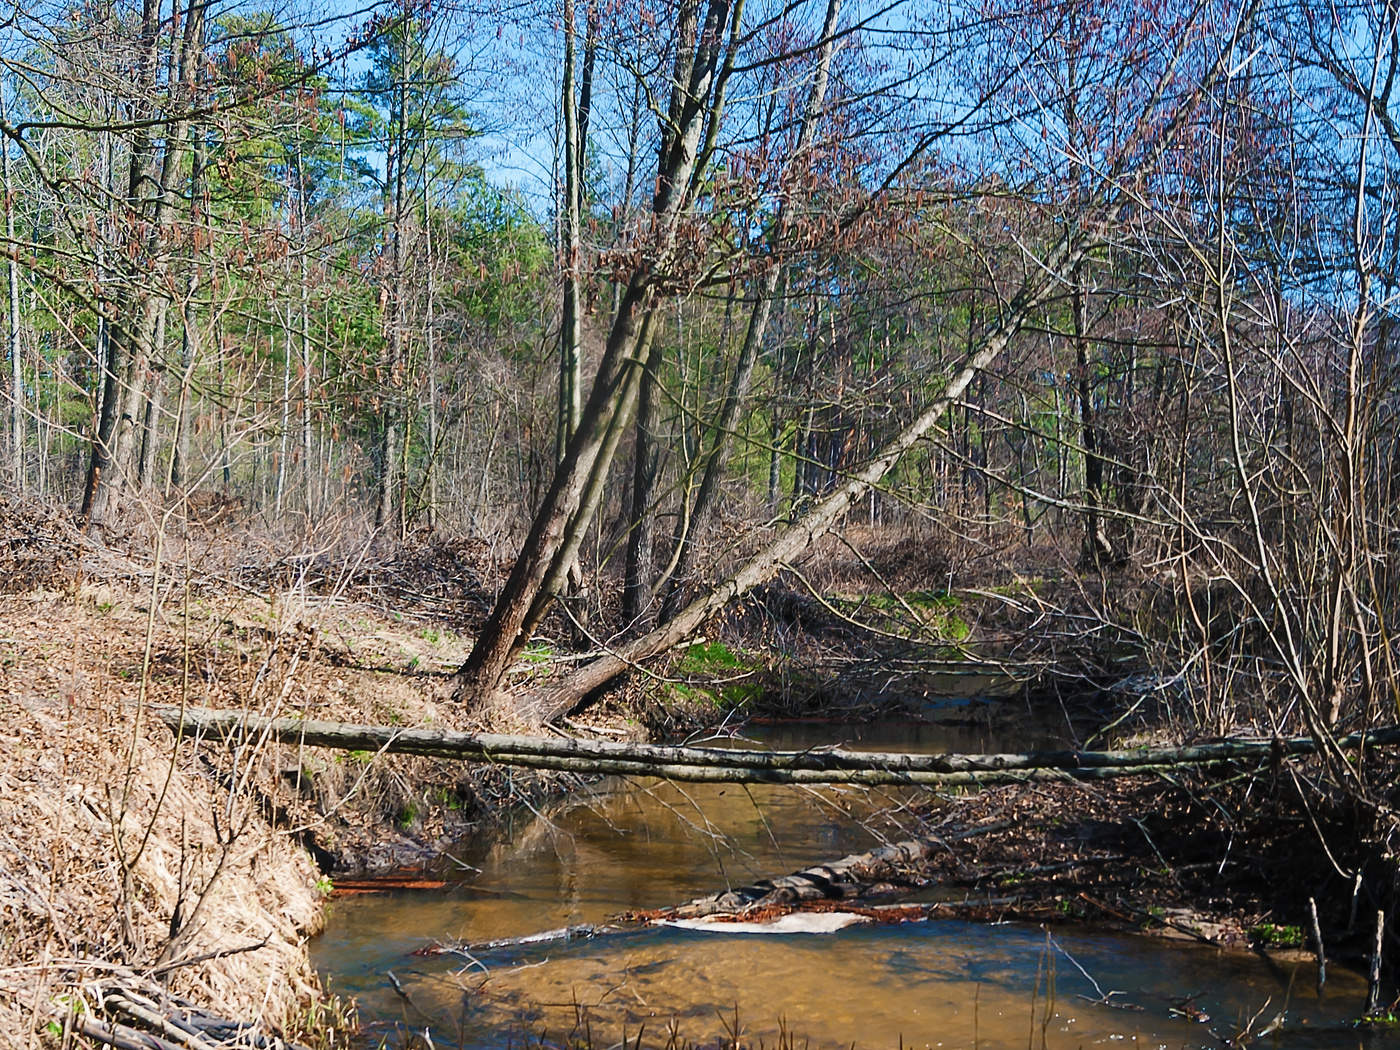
[937, 984]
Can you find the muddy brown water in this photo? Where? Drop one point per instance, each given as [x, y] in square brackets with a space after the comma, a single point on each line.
[642, 844]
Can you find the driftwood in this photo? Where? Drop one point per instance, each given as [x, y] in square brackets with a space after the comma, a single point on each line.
[886, 870]
[737, 765]
[161, 1021]
[852, 884]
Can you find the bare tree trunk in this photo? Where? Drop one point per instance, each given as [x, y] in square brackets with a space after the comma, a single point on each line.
[115, 382]
[225, 430]
[775, 462]
[389, 502]
[430, 468]
[180, 464]
[564, 514]
[130, 341]
[1097, 549]
[12, 335]
[308, 463]
[594, 484]
[636, 586]
[285, 423]
[103, 462]
[736, 397]
[571, 324]
[150, 424]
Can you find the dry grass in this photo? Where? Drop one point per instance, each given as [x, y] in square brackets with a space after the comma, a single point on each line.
[115, 854]
[121, 853]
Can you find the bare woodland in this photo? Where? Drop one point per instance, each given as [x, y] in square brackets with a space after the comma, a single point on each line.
[656, 296]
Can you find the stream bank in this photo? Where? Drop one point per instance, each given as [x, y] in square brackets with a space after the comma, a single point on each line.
[85, 775]
[466, 961]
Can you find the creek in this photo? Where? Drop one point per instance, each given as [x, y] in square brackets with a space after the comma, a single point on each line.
[642, 844]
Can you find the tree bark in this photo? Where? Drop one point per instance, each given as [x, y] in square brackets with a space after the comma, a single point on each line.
[565, 511]
[821, 515]
[743, 765]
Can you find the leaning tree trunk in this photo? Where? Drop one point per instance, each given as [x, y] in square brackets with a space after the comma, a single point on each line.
[564, 514]
[706, 495]
[821, 516]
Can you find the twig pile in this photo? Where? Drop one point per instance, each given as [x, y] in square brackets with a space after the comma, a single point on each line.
[143, 1016]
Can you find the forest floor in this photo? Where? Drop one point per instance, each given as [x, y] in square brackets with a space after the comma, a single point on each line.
[188, 870]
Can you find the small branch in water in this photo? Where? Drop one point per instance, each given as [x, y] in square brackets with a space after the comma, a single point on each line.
[402, 993]
[1317, 945]
[1373, 994]
[560, 935]
[1103, 997]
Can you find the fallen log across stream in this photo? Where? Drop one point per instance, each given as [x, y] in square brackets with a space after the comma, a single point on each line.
[885, 871]
[749, 766]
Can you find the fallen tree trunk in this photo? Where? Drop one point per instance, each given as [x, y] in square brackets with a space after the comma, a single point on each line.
[881, 872]
[851, 884]
[161, 1021]
[738, 765]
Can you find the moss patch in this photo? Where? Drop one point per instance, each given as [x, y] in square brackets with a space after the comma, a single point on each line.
[715, 673]
[1269, 935]
[933, 612]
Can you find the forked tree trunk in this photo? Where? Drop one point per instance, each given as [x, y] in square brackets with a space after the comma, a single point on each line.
[821, 515]
[722, 441]
[703, 55]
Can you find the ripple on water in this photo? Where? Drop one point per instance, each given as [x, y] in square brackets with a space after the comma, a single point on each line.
[937, 984]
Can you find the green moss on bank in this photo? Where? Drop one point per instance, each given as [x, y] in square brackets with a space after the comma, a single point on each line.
[714, 673]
